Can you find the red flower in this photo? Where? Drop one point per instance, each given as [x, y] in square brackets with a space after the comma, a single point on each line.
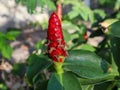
[55, 40]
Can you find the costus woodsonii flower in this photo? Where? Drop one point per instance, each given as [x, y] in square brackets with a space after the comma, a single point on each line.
[55, 40]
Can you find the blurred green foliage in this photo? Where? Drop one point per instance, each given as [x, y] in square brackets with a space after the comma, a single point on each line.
[32, 4]
[5, 48]
[3, 87]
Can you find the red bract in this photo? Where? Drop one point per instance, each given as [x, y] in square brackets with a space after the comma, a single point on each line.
[55, 39]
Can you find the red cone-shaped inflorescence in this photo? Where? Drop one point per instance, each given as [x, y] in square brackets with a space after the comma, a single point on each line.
[55, 40]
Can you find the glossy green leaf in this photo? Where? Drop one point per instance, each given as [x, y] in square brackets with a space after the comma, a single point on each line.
[106, 54]
[55, 82]
[115, 47]
[40, 82]
[65, 81]
[86, 81]
[86, 64]
[35, 65]
[40, 85]
[114, 29]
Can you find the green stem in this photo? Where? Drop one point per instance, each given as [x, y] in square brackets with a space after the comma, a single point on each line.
[58, 67]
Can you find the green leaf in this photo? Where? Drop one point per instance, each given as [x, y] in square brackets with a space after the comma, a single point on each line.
[2, 42]
[40, 85]
[114, 29]
[40, 82]
[117, 5]
[87, 87]
[68, 25]
[79, 8]
[86, 64]
[106, 23]
[31, 5]
[41, 3]
[106, 54]
[118, 15]
[44, 25]
[35, 65]
[103, 86]
[50, 4]
[82, 29]
[6, 51]
[67, 35]
[3, 45]
[86, 81]
[107, 3]
[65, 81]
[73, 14]
[2, 35]
[100, 13]
[54, 82]
[19, 69]
[115, 47]
[87, 47]
[40, 45]
[11, 35]
[118, 84]
[17, 1]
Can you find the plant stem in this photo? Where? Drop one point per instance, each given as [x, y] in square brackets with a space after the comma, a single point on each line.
[58, 67]
[59, 9]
